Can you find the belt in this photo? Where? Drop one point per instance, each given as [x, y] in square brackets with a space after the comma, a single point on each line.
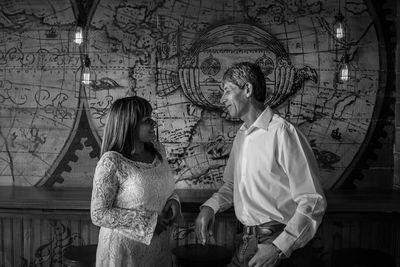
[263, 229]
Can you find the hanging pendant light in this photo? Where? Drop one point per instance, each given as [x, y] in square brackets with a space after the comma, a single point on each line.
[88, 75]
[85, 76]
[343, 69]
[340, 33]
[78, 35]
[339, 27]
[79, 30]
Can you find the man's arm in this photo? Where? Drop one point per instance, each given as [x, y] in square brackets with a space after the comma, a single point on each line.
[223, 199]
[298, 161]
[220, 201]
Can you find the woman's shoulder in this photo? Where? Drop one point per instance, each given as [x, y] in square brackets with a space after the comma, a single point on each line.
[111, 155]
[110, 158]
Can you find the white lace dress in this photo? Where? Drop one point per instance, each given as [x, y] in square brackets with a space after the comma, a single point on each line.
[127, 197]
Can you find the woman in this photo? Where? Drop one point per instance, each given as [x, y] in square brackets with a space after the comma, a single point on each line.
[133, 199]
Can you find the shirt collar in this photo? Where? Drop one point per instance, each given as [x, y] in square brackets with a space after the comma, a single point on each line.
[261, 122]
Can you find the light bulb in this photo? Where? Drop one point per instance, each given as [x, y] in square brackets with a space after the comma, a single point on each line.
[344, 72]
[87, 71]
[79, 35]
[86, 76]
[343, 69]
[339, 31]
[339, 27]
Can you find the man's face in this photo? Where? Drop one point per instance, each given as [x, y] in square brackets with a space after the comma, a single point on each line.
[234, 99]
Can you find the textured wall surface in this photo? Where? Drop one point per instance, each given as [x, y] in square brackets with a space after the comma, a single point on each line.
[174, 54]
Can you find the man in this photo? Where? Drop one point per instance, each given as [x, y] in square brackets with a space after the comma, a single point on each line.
[271, 177]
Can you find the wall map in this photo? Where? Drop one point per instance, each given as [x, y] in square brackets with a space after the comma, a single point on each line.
[174, 54]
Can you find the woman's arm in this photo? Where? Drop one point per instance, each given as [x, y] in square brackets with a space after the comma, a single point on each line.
[137, 224]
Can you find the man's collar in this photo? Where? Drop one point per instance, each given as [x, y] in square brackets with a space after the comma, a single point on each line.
[262, 121]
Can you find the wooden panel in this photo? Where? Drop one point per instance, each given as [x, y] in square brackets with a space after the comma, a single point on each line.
[396, 175]
[224, 232]
[17, 237]
[8, 259]
[38, 238]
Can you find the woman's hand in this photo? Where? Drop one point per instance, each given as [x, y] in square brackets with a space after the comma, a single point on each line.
[168, 215]
[161, 226]
[171, 211]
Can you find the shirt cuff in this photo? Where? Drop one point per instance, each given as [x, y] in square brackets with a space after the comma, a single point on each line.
[285, 243]
[150, 234]
[212, 203]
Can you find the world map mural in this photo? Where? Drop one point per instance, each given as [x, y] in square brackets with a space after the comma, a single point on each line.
[174, 54]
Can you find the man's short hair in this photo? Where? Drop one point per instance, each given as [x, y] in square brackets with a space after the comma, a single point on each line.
[247, 72]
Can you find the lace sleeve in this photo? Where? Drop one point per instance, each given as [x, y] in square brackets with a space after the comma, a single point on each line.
[137, 224]
[175, 196]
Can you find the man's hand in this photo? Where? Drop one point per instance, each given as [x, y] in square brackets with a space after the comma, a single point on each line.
[171, 211]
[267, 255]
[204, 224]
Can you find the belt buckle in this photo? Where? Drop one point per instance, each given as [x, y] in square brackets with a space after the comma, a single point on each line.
[265, 230]
[250, 230]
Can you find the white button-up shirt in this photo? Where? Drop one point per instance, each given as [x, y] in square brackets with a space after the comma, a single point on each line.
[272, 175]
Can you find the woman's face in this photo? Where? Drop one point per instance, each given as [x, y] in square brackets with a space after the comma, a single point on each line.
[145, 129]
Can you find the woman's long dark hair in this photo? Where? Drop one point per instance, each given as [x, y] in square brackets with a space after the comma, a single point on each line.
[123, 117]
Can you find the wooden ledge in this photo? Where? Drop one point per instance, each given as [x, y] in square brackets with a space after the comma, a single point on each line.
[73, 198]
[371, 200]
